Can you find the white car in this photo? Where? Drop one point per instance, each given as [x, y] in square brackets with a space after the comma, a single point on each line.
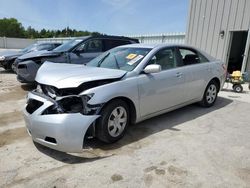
[125, 85]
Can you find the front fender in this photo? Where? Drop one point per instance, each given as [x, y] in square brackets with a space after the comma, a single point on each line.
[127, 88]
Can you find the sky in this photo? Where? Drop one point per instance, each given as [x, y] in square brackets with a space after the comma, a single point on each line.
[117, 17]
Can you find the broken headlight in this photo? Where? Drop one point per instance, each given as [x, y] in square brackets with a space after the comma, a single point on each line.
[73, 104]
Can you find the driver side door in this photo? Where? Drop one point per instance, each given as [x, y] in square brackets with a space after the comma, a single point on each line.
[87, 51]
[162, 90]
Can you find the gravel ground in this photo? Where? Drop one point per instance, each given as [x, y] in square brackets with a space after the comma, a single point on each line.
[189, 147]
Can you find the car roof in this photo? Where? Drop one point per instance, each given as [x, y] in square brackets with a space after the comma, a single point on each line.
[143, 45]
[43, 43]
[158, 46]
[107, 37]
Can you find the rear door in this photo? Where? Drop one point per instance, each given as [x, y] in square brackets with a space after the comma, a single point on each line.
[162, 90]
[197, 71]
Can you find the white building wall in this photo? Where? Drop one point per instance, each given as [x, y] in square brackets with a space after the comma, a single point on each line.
[15, 43]
[176, 38]
[208, 17]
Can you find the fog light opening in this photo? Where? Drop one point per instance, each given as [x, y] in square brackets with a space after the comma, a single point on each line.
[50, 139]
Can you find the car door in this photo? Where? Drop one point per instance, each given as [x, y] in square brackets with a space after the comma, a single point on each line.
[162, 90]
[86, 51]
[196, 69]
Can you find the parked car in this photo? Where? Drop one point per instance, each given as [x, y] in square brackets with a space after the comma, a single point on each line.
[77, 51]
[8, 57]
[125, 85]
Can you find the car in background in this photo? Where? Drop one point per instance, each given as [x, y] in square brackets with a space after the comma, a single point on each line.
[125, 85]
[76, 51]
[8, 57]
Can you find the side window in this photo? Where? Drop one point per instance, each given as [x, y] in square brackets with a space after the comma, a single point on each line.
[91, 46]
[203, 59]
[109, 43]
[190, 57]
[57, 44]
[165, 58]
[45, 47]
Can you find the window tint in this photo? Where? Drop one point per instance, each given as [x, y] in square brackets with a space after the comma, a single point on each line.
[91, 46]
[114, 43]
[190, 57]
[165, 58]
[57, 44]
[203, 59]
[45, 47]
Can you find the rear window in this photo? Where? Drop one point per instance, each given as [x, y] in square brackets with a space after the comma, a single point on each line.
[190, 56]
[109, 44]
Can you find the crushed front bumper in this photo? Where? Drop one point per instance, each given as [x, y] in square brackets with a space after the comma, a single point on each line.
[63, 132]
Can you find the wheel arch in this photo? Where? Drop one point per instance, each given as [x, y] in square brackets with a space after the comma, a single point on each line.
[217, 81]
[131, 105]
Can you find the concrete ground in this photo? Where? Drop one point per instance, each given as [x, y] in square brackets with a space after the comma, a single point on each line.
[189, 147]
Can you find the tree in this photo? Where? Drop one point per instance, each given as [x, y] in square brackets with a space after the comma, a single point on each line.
[10, 27]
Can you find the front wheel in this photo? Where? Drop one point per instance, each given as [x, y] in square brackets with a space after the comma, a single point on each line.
[113, 122]
[210, 94]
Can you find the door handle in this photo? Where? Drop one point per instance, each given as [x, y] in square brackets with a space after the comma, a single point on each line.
[178, 74]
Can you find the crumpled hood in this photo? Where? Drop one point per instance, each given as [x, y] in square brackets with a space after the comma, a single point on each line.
[42, 53]
[10, 53]
[63, 75]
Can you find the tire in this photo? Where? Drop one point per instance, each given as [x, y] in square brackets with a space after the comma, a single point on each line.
[110, 127]
[210, 94]
[237, 88]
[11, 68]
[8, 65]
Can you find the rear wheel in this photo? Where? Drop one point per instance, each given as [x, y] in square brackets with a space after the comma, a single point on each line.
[113, 122]
[210, 94]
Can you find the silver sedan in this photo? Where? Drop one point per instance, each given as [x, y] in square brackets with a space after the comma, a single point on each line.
[125, 85]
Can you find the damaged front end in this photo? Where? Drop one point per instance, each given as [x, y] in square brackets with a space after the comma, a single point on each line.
[61, 118]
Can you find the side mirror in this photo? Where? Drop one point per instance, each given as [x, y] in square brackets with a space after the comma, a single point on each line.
[153, 68]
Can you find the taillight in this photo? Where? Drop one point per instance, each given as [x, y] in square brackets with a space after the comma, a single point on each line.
[224, 68]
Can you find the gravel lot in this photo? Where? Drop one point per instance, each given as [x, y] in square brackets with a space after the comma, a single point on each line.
[189, 147]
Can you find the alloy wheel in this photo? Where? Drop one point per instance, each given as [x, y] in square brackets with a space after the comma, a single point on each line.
[211, 93]
[117, 121]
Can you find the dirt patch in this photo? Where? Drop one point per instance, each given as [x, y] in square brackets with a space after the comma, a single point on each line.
[14, 93]
[149, 169]
[148, 180]
[10, 117]
[176, 171]
[163, 163]
[116, 177]
[9, 136]
[160, 171]
[244, 174]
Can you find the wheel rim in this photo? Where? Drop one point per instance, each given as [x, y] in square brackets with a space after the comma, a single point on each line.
[211, 93]
[117, 121]
[238, 89]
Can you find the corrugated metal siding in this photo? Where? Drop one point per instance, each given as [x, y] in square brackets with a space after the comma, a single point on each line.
[172, 38]
[208, 17]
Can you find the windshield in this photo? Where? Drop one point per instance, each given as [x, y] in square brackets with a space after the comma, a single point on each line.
[120, 58]
[68, 45]
[29, 48]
